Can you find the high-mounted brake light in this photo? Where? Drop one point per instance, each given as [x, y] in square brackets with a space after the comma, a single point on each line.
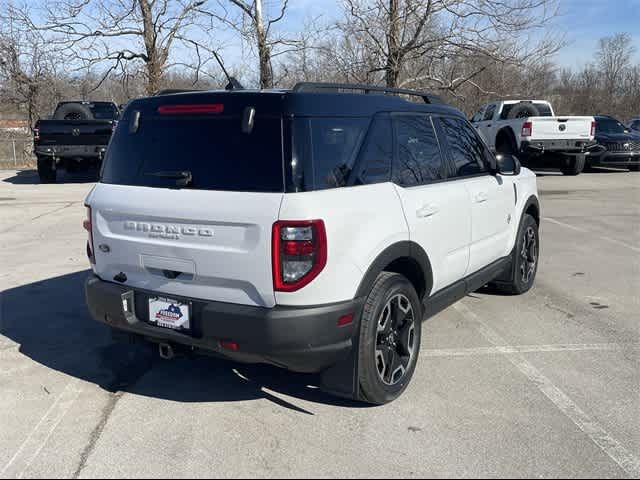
[593, 128]
[299, 253]
[527, 129]
[88, 226]
[191, 109]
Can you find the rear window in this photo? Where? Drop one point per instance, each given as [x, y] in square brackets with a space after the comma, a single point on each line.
[212, 148]
[104, 111]
[543, 108]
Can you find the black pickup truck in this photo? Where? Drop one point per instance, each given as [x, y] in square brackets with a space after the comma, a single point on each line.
[75, 138]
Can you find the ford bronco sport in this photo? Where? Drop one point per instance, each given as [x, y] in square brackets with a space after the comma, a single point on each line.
[312, 229]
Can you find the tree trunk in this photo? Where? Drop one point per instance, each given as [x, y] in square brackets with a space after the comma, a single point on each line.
[264, 52]
[394, 58]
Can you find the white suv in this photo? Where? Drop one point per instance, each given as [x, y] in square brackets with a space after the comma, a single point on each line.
[313, 228]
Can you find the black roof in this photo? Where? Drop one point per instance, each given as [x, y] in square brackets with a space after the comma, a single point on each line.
[315, 99]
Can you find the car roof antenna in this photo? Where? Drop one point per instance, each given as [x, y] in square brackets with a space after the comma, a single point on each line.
[233, 84]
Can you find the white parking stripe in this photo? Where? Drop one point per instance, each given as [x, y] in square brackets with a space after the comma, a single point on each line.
[609, 445]
[601, 237]
[511, 349]
[39, 436]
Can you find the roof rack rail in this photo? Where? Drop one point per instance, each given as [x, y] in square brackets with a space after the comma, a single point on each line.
[367, 89]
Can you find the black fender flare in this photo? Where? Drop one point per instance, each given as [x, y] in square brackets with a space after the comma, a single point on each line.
[508, 131]
[396, 251]
[532, 201]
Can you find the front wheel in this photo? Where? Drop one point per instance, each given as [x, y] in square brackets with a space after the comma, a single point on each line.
[390, 337]
[524, 259]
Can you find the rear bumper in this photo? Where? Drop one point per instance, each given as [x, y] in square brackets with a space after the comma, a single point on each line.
[301, 339]
[571, 146]
[84, 151]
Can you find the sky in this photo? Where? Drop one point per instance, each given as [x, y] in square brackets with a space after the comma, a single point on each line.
[583, 22]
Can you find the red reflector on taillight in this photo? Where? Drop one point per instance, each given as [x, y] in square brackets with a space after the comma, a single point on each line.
[297, 248]
[229, 345]
[593, 128]
[527, 129]
[345, 320]
[187, 109]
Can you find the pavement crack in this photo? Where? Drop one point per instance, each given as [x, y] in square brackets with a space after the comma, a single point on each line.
[97, 432]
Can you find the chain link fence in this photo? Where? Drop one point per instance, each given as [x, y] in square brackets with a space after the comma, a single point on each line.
[17, 153]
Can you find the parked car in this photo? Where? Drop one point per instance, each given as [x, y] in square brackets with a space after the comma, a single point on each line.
[530, 130]
[621, 146]
[634, 124]
[311, 229]
[75, 138]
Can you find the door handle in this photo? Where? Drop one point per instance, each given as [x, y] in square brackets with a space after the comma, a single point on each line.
[481, 197]
[427, 211]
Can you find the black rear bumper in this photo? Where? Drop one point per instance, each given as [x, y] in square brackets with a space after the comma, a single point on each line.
[71, 151]
[301, 339]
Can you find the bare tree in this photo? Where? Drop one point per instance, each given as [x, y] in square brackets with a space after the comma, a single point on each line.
[436, 41]
[27, 65]
[117, 33]
[256, 27]
[613, 58]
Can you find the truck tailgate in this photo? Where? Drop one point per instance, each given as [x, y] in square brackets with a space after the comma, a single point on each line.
[561, 128]
[75, 132]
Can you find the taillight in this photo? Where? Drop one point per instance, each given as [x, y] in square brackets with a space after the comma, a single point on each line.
[593, 128]
[527, 129]
[88, 226]
[114, 125]
[36, 134]
[191, 109]
[299, 253]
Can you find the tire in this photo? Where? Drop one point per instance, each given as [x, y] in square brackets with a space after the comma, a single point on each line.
[47, 169]
[523, 110]
[73, 111]
[573, 165]
[389, 339]
[634, 168]
[524, 260]
[505, 144]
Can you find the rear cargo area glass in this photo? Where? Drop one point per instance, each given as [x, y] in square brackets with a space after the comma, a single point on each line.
[212, 147]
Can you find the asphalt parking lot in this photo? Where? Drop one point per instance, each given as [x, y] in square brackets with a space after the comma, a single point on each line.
[543, 385]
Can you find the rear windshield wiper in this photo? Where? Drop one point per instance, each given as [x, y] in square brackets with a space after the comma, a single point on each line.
[182, 178]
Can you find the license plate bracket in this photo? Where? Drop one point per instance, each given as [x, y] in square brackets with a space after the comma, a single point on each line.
[170, 313]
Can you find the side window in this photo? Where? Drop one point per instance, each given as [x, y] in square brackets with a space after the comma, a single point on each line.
[418, 159]
[478, 116]
[376, 153]
[468, 152]
[491, 110]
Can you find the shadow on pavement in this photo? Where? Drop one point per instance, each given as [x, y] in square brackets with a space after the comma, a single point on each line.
[30, 177]
[50, 322]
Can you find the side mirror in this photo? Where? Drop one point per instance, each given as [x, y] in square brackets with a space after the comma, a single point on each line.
[507, 164]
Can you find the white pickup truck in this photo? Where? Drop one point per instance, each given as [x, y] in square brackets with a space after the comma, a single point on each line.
[530, 130]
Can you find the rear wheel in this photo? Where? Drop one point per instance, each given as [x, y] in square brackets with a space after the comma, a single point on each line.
[390, 336]
[524, 259]
[573, 165]
[634, 168]
[47, 169]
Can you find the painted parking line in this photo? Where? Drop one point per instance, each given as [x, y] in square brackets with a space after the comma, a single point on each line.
[513, 349]
[609, 445]
[601, 237]
[37, 439]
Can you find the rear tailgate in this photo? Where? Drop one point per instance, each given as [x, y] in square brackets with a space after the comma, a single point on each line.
[561, 128]
[75, 132]
[209, 239]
